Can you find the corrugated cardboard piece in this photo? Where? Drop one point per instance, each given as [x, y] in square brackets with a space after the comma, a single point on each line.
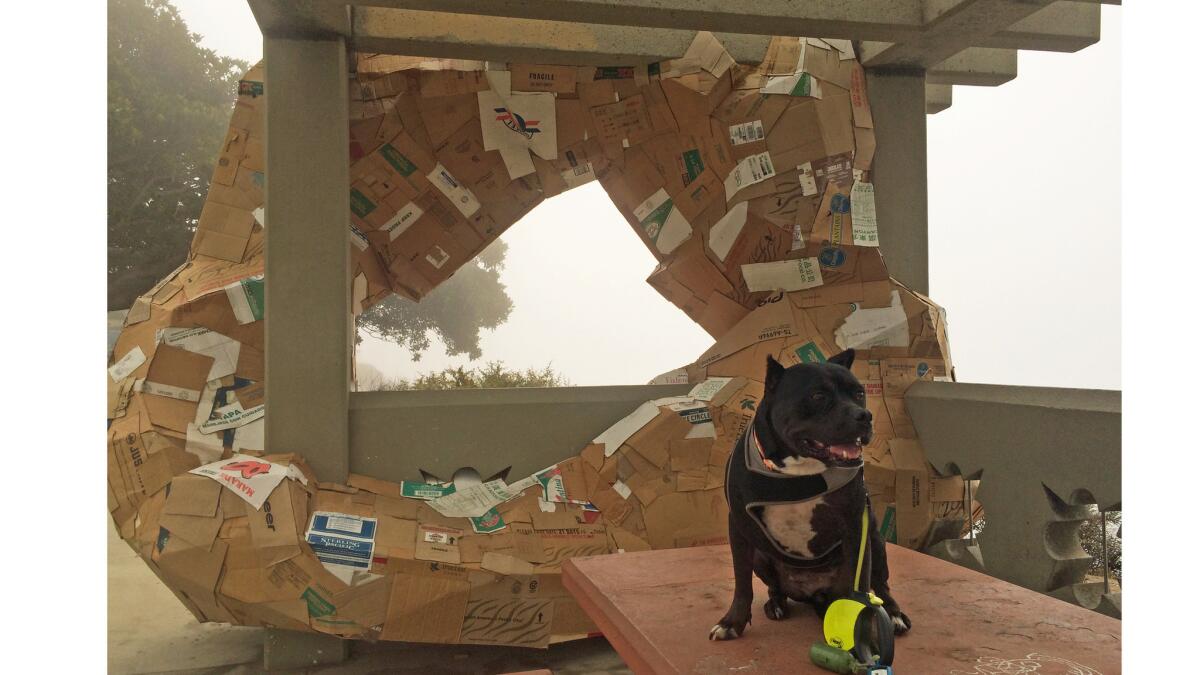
[752, 188]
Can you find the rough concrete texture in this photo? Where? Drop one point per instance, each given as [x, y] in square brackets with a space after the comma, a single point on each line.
[149, 631]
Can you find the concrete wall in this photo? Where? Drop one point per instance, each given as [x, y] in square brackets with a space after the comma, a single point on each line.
[392, 434]
[1022, 438]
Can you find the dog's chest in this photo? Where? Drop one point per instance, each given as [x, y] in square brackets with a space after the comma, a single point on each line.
[792, 526]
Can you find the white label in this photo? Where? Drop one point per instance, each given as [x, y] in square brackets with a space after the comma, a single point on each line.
[400, 222]
[706, 390]
[753, 169]
[128, 363]
[474, 501]
[662, 222]
[622, 489]
[434, 537]
[462, 198]
[170, 391]
[862, 214]
[524, 120]
[614, 436]
[746, 132]
[346, 523]
[878, 327]
[230, 416]
[358, 238]
[251, 478]
[722, 235]
[578, 175]
[437, 257]
[786, 275]
[808, 180]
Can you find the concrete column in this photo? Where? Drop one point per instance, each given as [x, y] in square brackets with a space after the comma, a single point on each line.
[900, 175]
[308, 336]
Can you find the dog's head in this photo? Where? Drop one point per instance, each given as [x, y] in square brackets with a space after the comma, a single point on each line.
[818, 412]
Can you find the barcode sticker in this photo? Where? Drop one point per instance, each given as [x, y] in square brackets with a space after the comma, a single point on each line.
[746, 132]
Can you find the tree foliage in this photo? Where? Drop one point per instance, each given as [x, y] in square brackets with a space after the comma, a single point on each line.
[492, 376]
[471, 300]
[169, 102]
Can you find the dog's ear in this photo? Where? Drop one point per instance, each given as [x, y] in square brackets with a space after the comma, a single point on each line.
[845, 359]
[774, 373]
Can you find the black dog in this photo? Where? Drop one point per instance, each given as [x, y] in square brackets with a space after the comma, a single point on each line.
[796, 495]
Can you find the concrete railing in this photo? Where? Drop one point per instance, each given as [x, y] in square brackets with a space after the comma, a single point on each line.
[1032, 444]
[1021, 438]
[393, 434]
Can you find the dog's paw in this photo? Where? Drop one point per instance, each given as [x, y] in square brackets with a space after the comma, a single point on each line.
[728, 630]
[901, 624]
[776, 610]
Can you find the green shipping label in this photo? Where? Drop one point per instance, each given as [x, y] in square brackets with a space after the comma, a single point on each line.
[809, 353]
[317, 606]
[398, 161]
[424, 490]
[489, 522]
[692, 166]
[887, 526]
[359, 204]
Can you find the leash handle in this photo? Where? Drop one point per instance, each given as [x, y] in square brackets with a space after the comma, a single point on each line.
[862, 547]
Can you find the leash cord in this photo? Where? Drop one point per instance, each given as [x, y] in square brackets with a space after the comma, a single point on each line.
[862, 547]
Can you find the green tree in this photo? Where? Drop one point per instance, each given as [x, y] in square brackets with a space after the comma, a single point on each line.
[492, 376]
[471, 300]
[169, 102]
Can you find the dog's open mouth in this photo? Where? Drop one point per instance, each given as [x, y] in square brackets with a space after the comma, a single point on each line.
[847, 452]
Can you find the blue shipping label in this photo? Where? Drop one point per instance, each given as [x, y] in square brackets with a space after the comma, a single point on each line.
[341, 539]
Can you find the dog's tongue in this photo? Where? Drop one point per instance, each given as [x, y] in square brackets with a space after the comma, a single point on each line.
[846, 451]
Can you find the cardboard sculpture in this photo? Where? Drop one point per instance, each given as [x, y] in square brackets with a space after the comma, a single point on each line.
[750, 185]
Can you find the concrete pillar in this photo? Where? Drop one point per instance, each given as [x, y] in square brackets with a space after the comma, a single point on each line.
[308, 336]
[900, 174]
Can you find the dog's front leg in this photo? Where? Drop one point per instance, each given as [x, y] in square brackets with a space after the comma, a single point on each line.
[733, 624]
[879, 581]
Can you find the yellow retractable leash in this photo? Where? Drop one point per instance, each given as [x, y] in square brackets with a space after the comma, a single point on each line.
[859, 636]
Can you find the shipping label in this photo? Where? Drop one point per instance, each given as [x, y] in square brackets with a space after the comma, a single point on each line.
[751, 170]
[746, 132]
[462, 198]
[247, 297]
[341, 540]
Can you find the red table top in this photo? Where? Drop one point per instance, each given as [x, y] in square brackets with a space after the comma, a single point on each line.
[656, 608]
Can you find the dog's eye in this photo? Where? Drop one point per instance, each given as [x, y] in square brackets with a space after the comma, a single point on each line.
[860, 395]
[819, 397]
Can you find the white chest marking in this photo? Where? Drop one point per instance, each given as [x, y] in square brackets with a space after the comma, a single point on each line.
[791, 525]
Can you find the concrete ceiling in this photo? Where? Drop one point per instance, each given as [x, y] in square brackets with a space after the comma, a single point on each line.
[956, 42]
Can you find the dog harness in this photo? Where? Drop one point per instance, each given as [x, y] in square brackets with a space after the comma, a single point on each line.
[771, 487]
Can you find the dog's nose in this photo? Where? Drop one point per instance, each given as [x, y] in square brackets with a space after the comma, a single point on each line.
[863, 416]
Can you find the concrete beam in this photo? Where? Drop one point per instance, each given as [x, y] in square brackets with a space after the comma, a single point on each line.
[310, 19]
[307, 320]
[950, 27]
[1062, 27]
[851, 19]
[900, 174]
[938, 97]
[487, 38]
[975, 67]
